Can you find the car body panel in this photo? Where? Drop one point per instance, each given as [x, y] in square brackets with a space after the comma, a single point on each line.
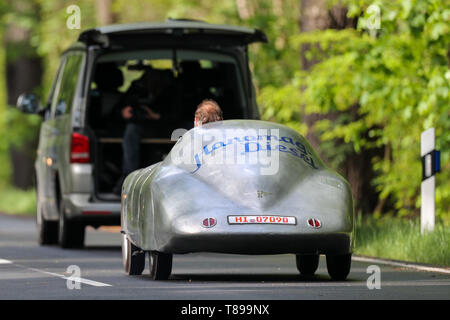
[163, 206]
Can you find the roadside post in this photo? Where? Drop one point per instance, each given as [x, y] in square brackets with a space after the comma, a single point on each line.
[430, 166]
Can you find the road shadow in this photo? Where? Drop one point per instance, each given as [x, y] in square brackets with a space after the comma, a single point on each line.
[101, 248]
[245, 277]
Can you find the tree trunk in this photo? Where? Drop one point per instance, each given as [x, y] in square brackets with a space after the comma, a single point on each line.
[316, 15]
[23, 74]
[105, 15]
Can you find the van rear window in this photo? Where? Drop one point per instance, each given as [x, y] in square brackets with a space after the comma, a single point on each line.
[192, 75]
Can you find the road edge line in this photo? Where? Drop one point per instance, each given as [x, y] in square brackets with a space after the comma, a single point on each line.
[405, 264]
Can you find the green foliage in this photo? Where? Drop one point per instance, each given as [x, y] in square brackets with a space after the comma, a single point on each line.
[15, 128]
[4, 147]
[20, 127]
[51, 36]
[382, 88]
[274, 63]
[384, 91]
[15, 201]
[400, 239]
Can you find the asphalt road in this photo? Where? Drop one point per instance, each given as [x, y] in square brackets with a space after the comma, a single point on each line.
[28, 271]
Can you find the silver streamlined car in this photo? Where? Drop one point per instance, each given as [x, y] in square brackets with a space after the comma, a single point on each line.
[242, 187]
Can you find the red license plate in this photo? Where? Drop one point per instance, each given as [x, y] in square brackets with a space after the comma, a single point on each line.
[255, 219]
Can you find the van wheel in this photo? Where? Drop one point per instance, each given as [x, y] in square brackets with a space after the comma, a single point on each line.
[160, 265]
[71, 233]
[307, 264]
[339, 266]
[133, 257]
[47, 230]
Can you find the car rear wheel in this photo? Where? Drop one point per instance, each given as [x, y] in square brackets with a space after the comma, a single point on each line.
[47, 230]
[160, 265]
[71, 233]
[133, 257]
[307, 264]
[339, 266]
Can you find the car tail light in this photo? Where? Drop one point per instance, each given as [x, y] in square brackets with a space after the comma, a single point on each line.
[209, 222]
[79, 149]
[314, 223]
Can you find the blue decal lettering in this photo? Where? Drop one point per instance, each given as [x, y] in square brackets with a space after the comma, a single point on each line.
[247, 147]
[217, 145]
[197, 162]
[301, 147]
[205, 149]
[293, 152]
[281, 148]
[308, 160]
[269, 137]
[287, 140]
[301, 151]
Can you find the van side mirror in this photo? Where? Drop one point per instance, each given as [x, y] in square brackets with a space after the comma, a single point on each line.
[28, 103]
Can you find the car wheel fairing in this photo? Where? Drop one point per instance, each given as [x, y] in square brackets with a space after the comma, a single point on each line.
[133, 257]
[339, 266]
[160, 265]
[307, 264]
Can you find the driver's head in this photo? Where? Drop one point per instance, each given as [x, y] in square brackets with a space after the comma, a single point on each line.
[207, 111]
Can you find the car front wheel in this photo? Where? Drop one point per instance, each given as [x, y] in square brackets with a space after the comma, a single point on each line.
[133, 257]
[160, 265]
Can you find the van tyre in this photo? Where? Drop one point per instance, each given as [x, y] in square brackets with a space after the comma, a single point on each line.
[339, 266]
[133, 257]
[71, 233]
[307, 264]
[160, 265]
[47, 230]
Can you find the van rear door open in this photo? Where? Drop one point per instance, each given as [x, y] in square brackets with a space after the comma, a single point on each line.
[171, 33]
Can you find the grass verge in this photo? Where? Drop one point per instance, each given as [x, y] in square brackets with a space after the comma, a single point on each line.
[16, 201]
[400, 239]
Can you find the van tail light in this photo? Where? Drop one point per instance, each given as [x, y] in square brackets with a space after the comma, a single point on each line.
[79, 149]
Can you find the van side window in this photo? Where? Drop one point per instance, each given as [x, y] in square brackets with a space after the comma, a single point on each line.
[65, 91]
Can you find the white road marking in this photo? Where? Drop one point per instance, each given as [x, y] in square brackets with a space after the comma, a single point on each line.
[75, 279]
[402, 264]
[4, 261]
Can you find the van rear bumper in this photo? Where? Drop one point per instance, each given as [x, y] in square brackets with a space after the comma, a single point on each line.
[81, 207]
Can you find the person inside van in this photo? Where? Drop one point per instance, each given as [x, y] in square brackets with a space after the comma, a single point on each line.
[140, 120]
[106, 97]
